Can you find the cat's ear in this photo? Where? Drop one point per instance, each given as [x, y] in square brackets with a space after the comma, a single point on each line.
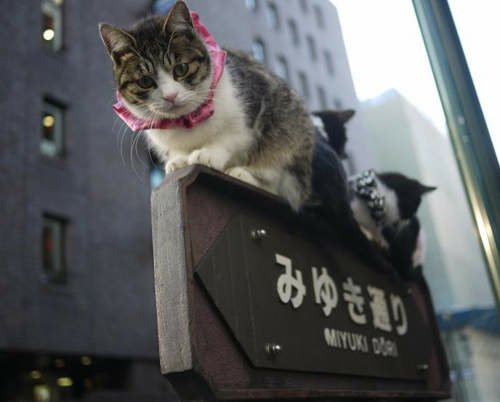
[115, 40]
[345, 115]
[426, 189]
[178, 18]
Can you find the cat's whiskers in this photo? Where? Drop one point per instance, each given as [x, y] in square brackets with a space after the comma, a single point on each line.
[121, 135]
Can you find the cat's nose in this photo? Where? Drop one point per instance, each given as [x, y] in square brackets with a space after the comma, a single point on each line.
[170, 97]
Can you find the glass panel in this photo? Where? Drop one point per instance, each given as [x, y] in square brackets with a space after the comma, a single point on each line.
[251, 4]
[52, 248]
[156, 172]
[41, 393]
[312, 48]
[304, 5]
[318, 14]
[294, 32]
[272, 16]
[304, 86]
[323, 104]
[163, 6]
[478, 28]
[282, 68]
[52, 23]
[328, 62]
[400, 126]
[51, 143]
[259, 51]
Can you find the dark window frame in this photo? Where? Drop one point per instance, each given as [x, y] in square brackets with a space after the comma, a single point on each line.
[57, 226]
[54, 10]
[53, 148]
[283, 71]
[311, 46]
[273, 16]
[330, 68]
[294, 32]
[318, 15]
[304, 85]
[252, 4]
[261, 44]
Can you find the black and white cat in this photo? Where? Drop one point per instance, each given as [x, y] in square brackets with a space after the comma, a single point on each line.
[381, 200]
[384, 205]
[331, 204]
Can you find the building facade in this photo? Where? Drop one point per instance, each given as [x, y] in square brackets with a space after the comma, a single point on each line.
[75, 254]
[78, 318]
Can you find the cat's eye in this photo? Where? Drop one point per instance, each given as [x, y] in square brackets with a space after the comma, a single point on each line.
[180, 70]
[146, 82]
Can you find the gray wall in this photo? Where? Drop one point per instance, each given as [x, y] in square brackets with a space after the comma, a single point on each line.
[107, 306]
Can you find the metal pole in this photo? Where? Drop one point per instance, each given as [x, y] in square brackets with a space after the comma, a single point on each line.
[469, 134]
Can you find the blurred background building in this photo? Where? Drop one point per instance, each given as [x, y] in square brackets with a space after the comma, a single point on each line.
[77, 318]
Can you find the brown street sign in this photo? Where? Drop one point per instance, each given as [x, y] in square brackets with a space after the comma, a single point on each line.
[253, 304]
[294, 306]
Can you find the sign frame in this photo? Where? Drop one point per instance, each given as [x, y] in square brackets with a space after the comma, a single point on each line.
[199, 354]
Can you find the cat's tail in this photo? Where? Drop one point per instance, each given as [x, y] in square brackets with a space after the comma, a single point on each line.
[334, 210]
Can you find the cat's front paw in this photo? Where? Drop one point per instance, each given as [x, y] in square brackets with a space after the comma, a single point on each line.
[213, 158]
[242, 174]
[175, 163]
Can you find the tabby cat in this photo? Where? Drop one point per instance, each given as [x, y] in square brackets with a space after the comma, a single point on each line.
[198, 104]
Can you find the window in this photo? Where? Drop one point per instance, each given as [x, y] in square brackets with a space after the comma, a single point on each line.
[328, 62]
[303, 5]
[319, 16]
[259, 51]
[312, 47]
[51, 143]
[52, 23]
[304, 86]
[282, 69]
[162, 6]
[337, 103]
[458, 218]
[322, 98]
[294, 32]
[272, 16]
[156, 172]
[251, 4]
[53, 248]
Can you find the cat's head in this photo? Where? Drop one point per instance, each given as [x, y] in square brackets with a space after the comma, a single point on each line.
[334, 126]
[409, 192]
[161, 66]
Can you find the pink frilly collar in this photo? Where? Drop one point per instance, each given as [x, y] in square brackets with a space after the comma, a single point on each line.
[205, 111]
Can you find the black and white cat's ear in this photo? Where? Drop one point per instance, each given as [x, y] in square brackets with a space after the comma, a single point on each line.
[426, 189]
[178, 18]
[345, 115]
[115, 40]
